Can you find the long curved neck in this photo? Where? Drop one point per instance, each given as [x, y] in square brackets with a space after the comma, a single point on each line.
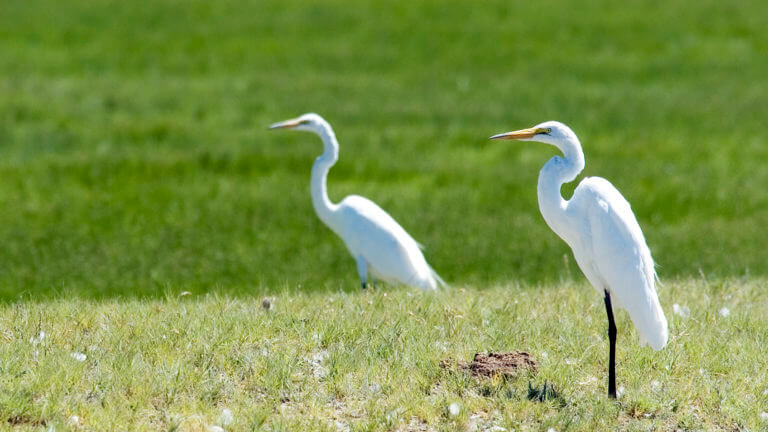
[323, 205]
[553, 175]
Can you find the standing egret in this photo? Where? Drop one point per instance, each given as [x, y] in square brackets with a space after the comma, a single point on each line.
[599, 226]
[379, 245]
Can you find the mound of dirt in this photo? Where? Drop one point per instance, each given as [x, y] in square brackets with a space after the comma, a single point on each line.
[493, 364]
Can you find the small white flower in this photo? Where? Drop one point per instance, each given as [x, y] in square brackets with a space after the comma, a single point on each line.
[34, 340]
[454, 409]
[318, 370]
[551, 430]
[78, 356]
[655, 385]
[620, 392]
[765, 392]
[392, 416]
[724, 312]
[226, 418]
[74, 420]
[682, 311]
[544, 354]
[764, 416]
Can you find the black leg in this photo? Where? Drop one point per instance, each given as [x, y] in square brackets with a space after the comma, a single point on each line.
[363, 284]
[612, 342]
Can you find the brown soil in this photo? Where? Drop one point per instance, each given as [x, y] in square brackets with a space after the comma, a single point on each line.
[21, 420]
[493, 364]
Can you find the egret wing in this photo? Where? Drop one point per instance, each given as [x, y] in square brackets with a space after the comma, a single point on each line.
[390, 251]
[621, 257]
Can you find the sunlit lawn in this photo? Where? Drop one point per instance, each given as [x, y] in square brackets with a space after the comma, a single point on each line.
[135, 165]
[370, 361]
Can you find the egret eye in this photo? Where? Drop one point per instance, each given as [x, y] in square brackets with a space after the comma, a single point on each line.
[548, 130]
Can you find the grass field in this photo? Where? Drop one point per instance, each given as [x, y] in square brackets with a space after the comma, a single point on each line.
[135, 165]
[366, 362]
[134, 153]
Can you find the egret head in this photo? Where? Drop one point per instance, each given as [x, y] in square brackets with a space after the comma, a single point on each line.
[306, 122]
[550, 132]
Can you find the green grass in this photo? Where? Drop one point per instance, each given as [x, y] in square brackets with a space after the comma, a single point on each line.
[134, 154]
[370, 361]
[135, 164]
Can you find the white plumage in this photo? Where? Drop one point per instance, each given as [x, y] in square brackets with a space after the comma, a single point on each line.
[599, 226]
[615, 256]
[379, 245]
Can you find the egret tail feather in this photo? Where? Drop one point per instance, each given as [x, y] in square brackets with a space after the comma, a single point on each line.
[440, 282]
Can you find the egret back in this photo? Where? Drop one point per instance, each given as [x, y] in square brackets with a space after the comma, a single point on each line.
[392, 254]
[612, 252]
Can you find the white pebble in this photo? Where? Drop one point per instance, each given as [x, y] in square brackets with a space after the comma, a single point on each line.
[267, 304]
[226, 418]
[454, 409]
[724, 311]
[78, 356]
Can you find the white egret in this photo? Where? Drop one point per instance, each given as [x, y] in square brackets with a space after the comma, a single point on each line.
[379, 245]
[599, 226]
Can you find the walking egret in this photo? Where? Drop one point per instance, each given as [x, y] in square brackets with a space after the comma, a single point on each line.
[607, 243]
[379, 245]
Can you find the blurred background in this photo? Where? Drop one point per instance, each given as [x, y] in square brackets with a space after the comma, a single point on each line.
[135, 159]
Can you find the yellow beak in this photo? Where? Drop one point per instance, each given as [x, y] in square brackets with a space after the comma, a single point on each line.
[285, 124]
[521, 134]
